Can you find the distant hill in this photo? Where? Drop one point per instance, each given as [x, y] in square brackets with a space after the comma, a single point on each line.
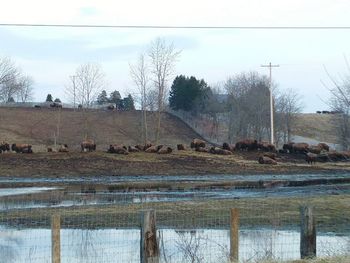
[320, 127]
[38, 127]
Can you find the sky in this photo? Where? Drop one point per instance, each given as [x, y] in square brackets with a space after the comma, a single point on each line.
[51, 55]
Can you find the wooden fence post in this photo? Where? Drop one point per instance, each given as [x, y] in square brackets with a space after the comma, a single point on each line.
[234, 234]
[55, 238]
[307, 233]
[149, 249]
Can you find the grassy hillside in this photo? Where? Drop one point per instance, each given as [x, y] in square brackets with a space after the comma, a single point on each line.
[320, 127]
[38, 127]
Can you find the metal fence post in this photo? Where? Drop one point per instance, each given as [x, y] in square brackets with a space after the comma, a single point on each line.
[149, 249]
[307, 233]
[234, 234]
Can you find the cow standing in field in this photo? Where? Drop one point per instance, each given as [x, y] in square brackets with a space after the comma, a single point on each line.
[88, 146]
[247, 145]
[21, 148]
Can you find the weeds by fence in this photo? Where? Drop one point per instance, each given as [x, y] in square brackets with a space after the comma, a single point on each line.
[62, 226]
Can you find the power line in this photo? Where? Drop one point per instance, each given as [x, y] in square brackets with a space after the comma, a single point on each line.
[175, 27]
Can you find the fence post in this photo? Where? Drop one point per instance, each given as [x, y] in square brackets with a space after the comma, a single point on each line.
[307, 233]
[149, 249]
[234, 234]
[55, 238]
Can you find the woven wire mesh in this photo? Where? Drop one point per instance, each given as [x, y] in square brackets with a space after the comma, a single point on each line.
[104, 226]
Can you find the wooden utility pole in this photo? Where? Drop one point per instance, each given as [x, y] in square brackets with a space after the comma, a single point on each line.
[73, 80]
[270, 66]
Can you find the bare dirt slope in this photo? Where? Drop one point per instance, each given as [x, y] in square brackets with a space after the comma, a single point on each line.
[39, 126]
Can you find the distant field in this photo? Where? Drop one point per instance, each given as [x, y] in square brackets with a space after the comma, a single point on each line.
[38, 127]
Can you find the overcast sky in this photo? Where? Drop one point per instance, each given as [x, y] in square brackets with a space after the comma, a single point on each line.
[51, 55]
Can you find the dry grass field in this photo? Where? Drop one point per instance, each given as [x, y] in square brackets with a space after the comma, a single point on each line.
[39, 126]
[320, 127]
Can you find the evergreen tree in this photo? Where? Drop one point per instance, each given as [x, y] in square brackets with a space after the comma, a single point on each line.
[102, 98]
[49, 98]
[128, 103]
[115, 98]
[57, 100]
[185, 92]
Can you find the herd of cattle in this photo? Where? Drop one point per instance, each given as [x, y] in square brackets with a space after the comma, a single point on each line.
[269, 153]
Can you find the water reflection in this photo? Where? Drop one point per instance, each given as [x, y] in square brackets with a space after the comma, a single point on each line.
[196, 245]
[66, 198]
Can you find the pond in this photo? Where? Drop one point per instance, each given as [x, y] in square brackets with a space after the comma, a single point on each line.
[194, 245]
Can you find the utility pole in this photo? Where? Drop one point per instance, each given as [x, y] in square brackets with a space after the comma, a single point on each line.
[270, 66]
[73, 80]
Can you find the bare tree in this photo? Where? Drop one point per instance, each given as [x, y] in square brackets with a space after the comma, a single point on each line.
[8, 79]
[8, 70]
[87, 83]
[9, 90]
[89, 80]
[25, 89]
[163, 57]
[288, 105]
[340, 103]
[248, 101]
[140, 75]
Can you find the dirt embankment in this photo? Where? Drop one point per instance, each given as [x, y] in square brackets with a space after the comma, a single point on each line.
[40, 126]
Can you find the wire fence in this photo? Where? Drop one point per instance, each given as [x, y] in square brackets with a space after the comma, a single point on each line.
[105, 226]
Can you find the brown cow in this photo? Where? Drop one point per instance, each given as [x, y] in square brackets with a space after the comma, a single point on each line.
[323, 146]
[118, 148]
[246, 145]
[132, 149]
[202, 149]
[165, 150]
[288, 147]
[181, 147]
[292, 147]
[217, 150]
[140, 147]
[301, 147]
[22, 148]
[153, 149]
[196, 143]
[315, 149]
[266, 147]
[311, 158]
[228, 147]
[88, 145]
[270, 155]
[266, 160]
[63, 148]
[337, 156]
